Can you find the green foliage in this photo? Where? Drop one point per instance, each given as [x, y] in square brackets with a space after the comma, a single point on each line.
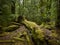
[7, 15]
[39, 11]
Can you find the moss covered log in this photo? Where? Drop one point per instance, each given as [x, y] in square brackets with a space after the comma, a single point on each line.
[31, 33]
[44, 35]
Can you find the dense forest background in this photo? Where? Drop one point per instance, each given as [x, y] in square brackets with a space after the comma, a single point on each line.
[40, 17]
[35, 10]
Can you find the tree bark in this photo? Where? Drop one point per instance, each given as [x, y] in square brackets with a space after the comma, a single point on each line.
[58, 14]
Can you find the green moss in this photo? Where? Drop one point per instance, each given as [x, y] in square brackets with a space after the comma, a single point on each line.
[10, 28]
[7, 41]
[4, 34]
[29, 24]
[39, 34]
[54, 35]
[19, 39]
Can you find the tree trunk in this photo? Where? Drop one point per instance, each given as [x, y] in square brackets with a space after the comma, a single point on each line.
[58, 14]
[5, 9]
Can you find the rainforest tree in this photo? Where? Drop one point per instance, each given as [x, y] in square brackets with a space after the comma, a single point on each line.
[58, 14]
[8, 11]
